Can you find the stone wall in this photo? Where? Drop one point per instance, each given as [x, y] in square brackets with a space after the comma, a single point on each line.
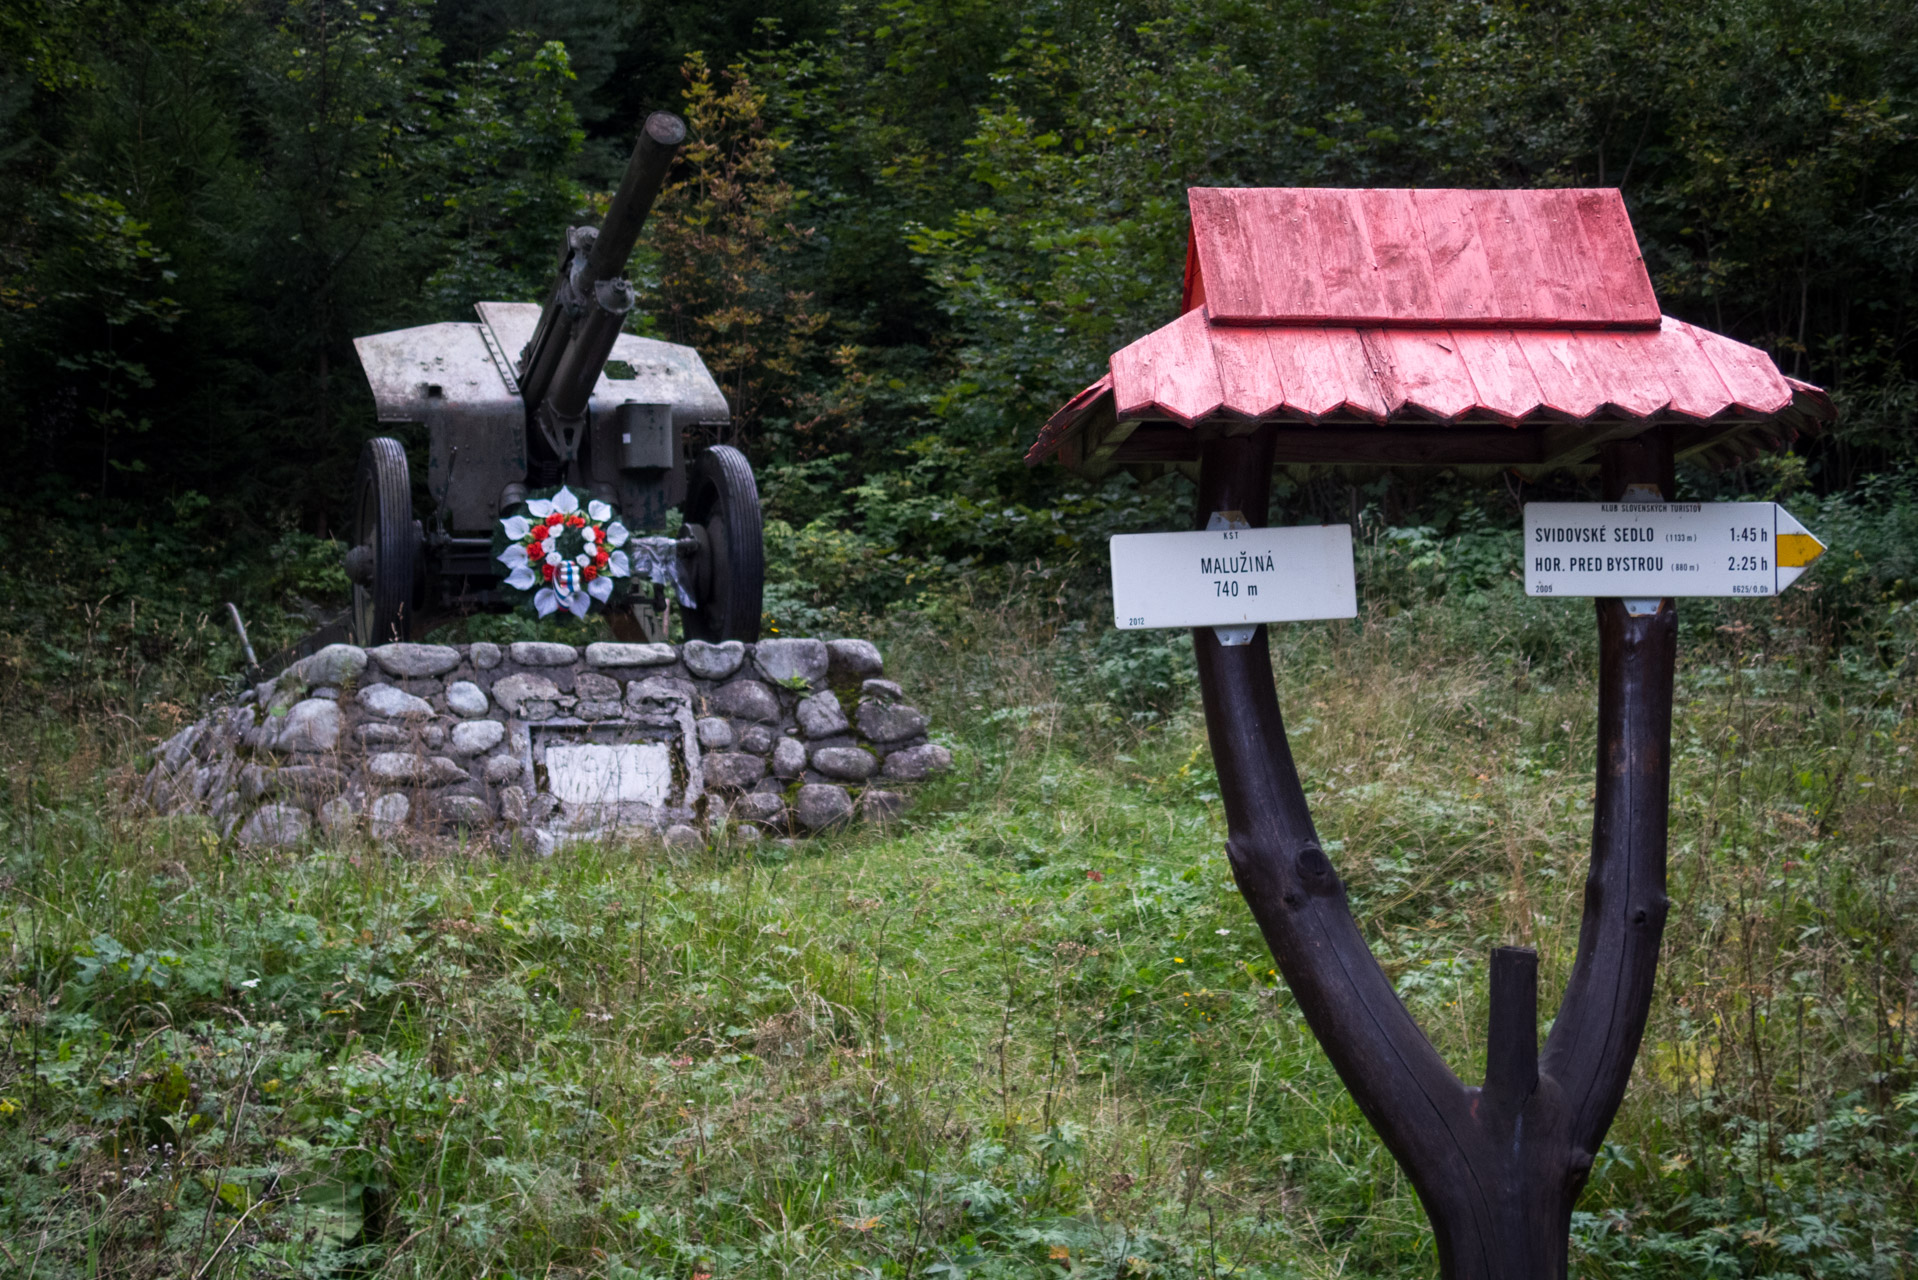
[546, 742]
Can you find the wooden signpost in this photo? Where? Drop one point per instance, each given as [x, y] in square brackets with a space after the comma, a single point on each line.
[1507, 329]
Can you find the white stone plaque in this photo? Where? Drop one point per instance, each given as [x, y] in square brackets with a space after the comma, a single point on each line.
[610, 773]
[1232, 577]
[1657, 549]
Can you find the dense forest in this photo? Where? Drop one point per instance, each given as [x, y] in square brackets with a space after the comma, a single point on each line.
[905, 233]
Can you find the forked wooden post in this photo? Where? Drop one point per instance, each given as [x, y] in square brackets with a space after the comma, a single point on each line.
[1497, 1167]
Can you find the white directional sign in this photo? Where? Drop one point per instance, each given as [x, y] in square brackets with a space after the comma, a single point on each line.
[1653, 549]
[1232, 577]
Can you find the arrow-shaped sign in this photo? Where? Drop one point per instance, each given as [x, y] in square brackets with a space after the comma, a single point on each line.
[1653, 549]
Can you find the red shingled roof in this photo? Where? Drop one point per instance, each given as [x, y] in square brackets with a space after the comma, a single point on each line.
[1426, 309]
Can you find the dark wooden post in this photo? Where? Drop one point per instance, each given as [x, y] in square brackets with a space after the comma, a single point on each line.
[1498, 1167]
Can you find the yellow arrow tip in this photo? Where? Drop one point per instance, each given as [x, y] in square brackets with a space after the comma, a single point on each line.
[1796, 550]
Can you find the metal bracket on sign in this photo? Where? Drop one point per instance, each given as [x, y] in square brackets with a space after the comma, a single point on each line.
[1637, 608]
[1230, 637]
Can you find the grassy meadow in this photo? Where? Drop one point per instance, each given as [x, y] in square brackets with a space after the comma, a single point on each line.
[1031, 1031]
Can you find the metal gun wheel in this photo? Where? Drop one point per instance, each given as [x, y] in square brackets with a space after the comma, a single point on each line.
[385, 562]
[728, 568]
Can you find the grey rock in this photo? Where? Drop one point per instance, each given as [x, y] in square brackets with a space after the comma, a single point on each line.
[747, 834]
[915, 763]
[821, 716]
[543, 653]
[326, 691]
[276, 825]
[475, 737]
[786, 660]
[848, 764]
[177, 750]
[335, 664]
[660, 693]
[463, 811]
[789, 757]
[337, 816]
[464, 698]
[263, 737]
[290, 692]
[733, 769]
[393, 704]
[605, 654]
[821, 805]
[746, 700]
[681, 836]
[485, 655]
[516, 690]
[433, 736]
[443, 772]
[712, 661]
[254, 782]
[882, 723]
[714, 733]
[398, 766]
[310, 784]
[512, 805]
[756, 738]
[404, 766]
[374, 734]
[537, 709]
[760, 806]
[661, 689]
[770, 786]
[415, 660]
[227, 806]
[881, 691]
[503, 768]
[312, 725]
[877, 805]
[853, 659]
[609, 709]
[591, 684]
[662, 701]
[388, 813]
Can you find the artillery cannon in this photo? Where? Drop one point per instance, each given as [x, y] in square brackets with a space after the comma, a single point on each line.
[532, 397]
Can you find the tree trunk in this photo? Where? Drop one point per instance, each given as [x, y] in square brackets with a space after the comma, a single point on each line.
[1498, 1167]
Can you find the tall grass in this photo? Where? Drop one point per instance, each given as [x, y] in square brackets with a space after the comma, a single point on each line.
[1031, 1031]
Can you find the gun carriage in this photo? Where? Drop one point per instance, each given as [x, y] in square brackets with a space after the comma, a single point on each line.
[536, 396]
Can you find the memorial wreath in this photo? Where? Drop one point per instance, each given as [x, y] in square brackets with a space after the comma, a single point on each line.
[558, 555]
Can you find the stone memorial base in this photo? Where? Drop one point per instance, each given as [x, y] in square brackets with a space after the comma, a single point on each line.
[547, 743]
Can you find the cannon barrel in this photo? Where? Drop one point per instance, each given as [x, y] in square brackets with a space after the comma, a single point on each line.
[581, 318]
